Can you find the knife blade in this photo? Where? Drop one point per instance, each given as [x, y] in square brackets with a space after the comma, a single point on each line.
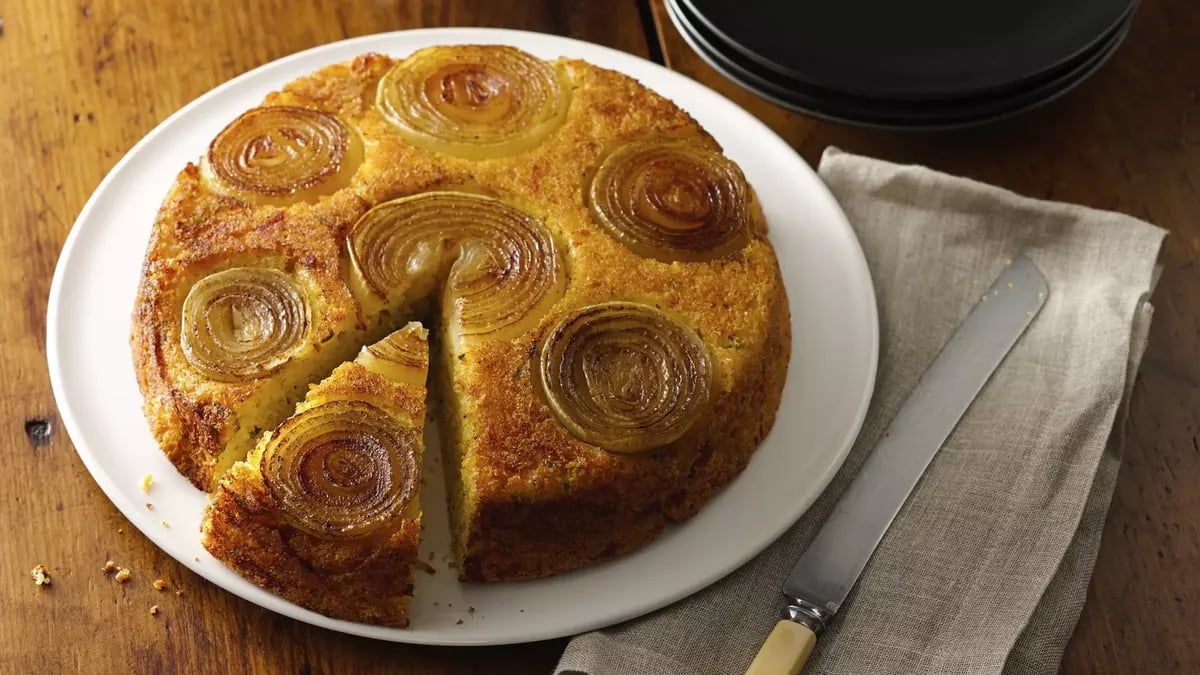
[827, 570]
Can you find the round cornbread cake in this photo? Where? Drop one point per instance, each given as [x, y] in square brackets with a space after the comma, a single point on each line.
[609, 328]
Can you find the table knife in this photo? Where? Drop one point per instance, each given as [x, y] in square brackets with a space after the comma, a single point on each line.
[830, 566]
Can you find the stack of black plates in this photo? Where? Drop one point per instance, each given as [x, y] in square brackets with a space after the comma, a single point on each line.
[918, 64]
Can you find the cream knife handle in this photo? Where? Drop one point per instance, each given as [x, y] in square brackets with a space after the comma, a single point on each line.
[786, 650]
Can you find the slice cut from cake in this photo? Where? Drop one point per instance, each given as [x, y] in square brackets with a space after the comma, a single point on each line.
[325, 511]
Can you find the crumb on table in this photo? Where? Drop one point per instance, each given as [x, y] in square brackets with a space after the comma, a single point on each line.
[160, 585]
[153, 610]
[109, 566]
[146, 482]
[179, 593]
[122, 575]
[41, 575]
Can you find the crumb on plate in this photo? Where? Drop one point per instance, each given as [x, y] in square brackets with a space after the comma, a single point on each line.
[146, 482]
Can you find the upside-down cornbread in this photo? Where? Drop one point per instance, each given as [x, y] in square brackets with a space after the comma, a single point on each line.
[528, 497]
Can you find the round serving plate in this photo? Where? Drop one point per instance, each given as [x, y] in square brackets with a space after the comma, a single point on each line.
[829, 384]
[919, 49]
[884, 113]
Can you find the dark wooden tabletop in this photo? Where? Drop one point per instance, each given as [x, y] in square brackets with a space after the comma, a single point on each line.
[81, 82]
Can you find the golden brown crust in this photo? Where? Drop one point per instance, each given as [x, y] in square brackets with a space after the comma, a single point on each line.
[196, 234]
[352, 382]
[528, 468]
[368, 581]
[538, 501]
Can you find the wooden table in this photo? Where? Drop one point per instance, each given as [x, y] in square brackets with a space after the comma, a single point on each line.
[81, 82]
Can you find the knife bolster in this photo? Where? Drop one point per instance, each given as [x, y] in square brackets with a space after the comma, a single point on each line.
[807, 614]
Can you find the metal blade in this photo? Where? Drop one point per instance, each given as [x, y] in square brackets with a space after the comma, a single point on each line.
[829, 568]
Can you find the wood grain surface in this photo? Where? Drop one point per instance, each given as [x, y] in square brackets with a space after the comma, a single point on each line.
[81, 82]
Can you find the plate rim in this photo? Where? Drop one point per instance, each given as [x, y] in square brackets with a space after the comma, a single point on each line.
[916, 89]
[117, 496]
[995, 111]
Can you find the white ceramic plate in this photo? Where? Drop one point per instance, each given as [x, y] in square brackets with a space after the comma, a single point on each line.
[835, 345]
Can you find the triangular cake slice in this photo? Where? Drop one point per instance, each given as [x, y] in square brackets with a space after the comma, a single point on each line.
[325, 511]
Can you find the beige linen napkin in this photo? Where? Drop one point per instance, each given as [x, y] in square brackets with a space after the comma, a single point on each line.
[986, 568]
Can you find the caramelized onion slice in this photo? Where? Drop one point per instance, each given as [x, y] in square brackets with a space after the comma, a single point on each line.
[402, 356]
[671, 200]
[474, 102]
[283, 154]
[624, 376]
[242, 323]
[503, 267]
[342, 469]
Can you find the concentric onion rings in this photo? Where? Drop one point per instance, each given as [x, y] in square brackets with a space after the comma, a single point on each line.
[243, 323]
[283, 154]
[343, 469]
[623, 376]
[671, 200]
[503, 271]
[473, 102]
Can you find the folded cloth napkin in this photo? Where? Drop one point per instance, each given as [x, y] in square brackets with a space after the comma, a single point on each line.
[986, 568]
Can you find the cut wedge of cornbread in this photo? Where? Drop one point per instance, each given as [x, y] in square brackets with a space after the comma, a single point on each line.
[267, 518]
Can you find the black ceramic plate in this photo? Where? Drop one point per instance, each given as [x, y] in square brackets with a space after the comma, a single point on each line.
[866, 111]
[911, 49]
